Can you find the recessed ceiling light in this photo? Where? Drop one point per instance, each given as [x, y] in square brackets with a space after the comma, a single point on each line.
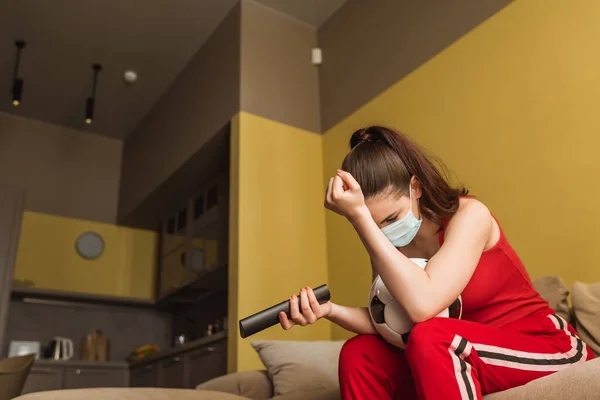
[130, 76]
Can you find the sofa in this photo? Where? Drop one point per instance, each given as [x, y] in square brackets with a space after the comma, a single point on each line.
[297, 370]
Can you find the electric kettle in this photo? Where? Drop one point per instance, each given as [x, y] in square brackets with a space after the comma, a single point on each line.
[60, 349]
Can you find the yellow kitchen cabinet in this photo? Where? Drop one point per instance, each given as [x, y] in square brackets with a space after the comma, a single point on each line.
[47, 258]
[194, 238]
[171, 242]
[171, 271]
[205, 249]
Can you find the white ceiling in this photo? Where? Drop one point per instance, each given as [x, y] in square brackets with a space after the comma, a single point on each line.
[155, 38]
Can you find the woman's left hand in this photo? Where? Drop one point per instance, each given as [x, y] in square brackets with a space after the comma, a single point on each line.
[344, 196]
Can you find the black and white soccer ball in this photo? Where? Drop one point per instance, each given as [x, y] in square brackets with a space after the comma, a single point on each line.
[390, 319]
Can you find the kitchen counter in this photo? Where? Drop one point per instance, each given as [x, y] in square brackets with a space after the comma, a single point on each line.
[205, 341]
[48, 363]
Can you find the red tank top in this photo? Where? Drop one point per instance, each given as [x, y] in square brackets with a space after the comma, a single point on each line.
[500, 290]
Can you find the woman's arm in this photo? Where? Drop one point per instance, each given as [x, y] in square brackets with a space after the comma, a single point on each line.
[423, 293]
[353, 319]
[309, 311]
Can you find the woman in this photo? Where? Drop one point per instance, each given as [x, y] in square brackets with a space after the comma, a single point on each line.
[402, 207]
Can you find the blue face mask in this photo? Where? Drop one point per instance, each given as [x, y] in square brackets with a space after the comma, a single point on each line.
[404, 230]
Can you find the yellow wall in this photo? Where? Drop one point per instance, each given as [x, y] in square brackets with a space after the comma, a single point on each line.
[512, 109]
[47, 256]
[279, 244]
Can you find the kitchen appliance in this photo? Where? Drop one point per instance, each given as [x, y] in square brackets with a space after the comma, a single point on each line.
[59, 349]
[21, 348]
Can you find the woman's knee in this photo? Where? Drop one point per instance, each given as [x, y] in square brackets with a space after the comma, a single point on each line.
[426, 335]
[359, 353]
[371, 368]
[354, 350]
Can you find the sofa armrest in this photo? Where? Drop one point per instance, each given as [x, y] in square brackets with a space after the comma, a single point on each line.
[254, 385]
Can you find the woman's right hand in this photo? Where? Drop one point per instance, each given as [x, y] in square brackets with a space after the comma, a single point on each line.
[312, 311]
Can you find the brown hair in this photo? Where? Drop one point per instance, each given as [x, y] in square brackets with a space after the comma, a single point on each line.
[382, 159]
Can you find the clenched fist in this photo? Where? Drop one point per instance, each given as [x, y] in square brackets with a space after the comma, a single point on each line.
[344, 195]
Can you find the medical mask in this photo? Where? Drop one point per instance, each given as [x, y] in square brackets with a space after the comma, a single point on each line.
[404, 230]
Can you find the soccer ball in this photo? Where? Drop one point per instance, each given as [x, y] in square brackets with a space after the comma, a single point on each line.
[390, 319]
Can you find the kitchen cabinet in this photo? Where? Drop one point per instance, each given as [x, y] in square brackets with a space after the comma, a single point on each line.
[184, 367]
[55, 375]
[43, 378]
[194, 237]
[173, 372]
[144, 376]
[206, 363]
[80, 378]
[47, 258]
[171, 270]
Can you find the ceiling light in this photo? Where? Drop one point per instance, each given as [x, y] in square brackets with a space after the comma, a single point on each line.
[17, 85]
[130, 76]
[90, 101]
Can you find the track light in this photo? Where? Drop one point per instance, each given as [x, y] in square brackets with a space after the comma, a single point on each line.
[17, 85]
[90, 102]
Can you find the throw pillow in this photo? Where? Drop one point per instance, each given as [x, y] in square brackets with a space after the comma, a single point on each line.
[555, 292]
[300, 366]
[586, 305]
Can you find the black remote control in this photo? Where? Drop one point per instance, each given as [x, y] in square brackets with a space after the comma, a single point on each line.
[270, 316]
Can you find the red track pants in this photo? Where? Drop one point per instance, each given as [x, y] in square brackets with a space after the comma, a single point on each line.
[456, 359]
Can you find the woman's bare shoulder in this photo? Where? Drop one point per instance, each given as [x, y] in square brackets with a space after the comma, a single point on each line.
[474, 210]
[471, 205]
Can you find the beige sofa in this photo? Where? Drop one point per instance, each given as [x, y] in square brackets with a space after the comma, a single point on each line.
[308, 370]
[580, 383]
[298, 370]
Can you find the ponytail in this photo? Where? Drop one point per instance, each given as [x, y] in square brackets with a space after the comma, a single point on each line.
[382, 159]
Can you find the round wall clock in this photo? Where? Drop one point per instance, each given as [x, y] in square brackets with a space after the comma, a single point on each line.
[89, 245]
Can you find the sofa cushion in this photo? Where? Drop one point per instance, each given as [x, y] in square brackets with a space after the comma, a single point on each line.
[129, 394]
[254, 385]
[304, 366]
[577, 382]
[555, 292]
[586, 306]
